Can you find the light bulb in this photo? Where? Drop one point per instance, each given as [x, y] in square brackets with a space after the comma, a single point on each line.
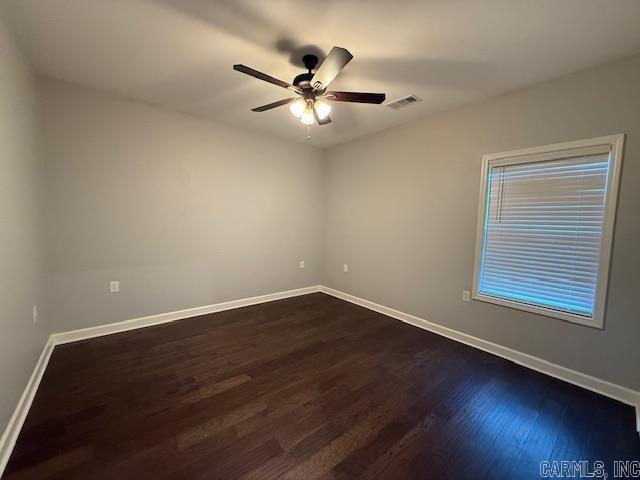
[322, 109]
[307, 116]
[297, 107]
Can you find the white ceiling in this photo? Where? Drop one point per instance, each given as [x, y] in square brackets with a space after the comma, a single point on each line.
[179, 53]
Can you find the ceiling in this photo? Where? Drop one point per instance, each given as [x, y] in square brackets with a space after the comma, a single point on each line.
[179, 54]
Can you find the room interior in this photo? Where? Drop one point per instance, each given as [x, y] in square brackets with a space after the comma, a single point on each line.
[433, 277]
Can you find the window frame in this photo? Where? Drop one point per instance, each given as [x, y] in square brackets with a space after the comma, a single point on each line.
[615, 145]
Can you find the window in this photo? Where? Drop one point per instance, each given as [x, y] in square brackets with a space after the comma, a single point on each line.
[545, 226]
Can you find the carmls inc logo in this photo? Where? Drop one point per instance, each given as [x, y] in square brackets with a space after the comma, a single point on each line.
[586, 469]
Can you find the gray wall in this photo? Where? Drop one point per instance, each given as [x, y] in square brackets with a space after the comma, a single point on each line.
[182, 211]
[21, 340]
[401, 210]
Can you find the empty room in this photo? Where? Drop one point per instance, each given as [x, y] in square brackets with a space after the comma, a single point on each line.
[341, 240]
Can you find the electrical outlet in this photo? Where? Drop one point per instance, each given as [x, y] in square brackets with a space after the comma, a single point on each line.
[301, 263]
[466, 296]
[35, 313]
[345, 268]
[114, 286]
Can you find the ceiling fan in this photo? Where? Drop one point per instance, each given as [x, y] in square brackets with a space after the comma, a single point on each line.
[311, 88]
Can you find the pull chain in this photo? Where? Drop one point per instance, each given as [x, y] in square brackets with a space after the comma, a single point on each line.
[308, 133]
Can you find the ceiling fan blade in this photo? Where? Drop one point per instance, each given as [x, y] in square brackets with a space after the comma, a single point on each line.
[320, 121]
[334, 63]
[269, 106]
[358, 97]
[263, 76]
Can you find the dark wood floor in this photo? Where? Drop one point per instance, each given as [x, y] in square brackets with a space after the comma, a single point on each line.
[304, 388]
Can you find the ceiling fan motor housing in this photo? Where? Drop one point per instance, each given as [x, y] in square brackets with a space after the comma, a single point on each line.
[303, 80]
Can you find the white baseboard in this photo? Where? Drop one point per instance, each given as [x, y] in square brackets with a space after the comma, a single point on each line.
[617, 392]
[11, 432]
[108, 329]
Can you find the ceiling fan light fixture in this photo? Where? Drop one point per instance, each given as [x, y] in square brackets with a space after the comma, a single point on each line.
[307, 116]
[322, 109]
[297, 107]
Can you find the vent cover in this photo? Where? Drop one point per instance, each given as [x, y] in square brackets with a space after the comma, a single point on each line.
[403, 102]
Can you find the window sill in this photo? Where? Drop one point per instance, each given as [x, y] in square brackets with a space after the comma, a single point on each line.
[547, 312]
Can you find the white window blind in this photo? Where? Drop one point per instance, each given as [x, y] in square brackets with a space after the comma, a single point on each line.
[545, 217]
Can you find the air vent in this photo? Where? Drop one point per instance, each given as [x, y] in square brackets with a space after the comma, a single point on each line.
[403, 102]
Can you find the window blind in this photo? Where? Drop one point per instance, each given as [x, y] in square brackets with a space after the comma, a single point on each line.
[543, 230]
